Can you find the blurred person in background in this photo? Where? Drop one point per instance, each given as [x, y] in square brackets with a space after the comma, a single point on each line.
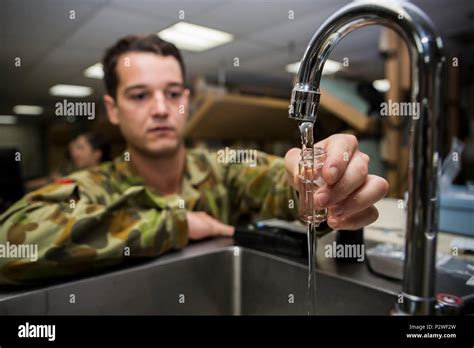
[88, 150]
[84, 151]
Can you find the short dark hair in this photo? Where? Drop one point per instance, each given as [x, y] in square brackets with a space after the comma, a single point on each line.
[135, 43]
[98, 142]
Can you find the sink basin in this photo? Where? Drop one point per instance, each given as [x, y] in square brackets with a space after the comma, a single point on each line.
[222, 280]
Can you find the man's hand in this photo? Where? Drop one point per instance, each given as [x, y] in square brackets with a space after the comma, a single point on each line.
[349, 192]
[202, 225]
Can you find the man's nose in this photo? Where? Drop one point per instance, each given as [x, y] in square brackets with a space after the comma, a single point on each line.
[160, 107]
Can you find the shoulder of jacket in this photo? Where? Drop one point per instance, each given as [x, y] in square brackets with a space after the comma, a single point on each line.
[91, 179]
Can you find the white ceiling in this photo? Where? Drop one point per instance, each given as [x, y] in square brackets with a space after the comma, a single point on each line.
[55, 49]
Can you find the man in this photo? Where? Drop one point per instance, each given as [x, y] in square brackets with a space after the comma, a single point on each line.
[157, 195]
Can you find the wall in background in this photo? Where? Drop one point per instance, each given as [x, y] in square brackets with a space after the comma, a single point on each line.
[27, 139]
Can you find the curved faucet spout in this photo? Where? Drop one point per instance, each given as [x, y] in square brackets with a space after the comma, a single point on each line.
[426, 53]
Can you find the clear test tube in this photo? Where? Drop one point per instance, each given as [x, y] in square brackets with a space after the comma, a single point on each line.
[310, 179]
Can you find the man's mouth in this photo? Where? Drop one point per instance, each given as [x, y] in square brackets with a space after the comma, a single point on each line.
[161, 130]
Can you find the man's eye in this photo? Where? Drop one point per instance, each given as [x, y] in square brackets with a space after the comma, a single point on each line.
[174, 94]
[139, 96]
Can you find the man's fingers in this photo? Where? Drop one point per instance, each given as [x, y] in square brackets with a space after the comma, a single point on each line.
[354, 176]
[373, 190]
[340, 148]
[355, 221]
[202, 225]
[217, 228]
[225, 230]
[292, 158]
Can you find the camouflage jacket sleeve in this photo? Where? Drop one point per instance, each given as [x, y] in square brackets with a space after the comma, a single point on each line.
[261, 190]
[80, 226]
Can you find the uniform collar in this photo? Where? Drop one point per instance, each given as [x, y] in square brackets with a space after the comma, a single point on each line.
[197, 169]
[195, 172]
[126, 170]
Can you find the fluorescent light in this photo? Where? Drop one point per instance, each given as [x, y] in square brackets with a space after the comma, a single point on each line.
[381, 85]
[95, 71]
[7, 119]
[293, 67]
[27, 110]
[194, 37]
[70, 91]
[330, 67]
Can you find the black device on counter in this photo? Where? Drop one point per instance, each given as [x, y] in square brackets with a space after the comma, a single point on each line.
[272, 239]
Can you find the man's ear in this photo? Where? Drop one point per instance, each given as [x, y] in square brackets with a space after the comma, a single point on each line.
[111, 108]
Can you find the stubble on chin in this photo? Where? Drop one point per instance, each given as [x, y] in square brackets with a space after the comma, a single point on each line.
[169, 150]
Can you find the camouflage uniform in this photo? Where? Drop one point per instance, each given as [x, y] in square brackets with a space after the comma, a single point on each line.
[98, 217]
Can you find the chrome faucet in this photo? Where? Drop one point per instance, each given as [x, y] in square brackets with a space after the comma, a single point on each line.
[426, 53]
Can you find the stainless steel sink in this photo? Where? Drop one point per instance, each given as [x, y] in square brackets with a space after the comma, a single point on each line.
[210, 278]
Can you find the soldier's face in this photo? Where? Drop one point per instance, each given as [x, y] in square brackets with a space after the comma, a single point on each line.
[151, 105]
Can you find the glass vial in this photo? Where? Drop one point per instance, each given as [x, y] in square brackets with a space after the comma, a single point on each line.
[310, 179]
